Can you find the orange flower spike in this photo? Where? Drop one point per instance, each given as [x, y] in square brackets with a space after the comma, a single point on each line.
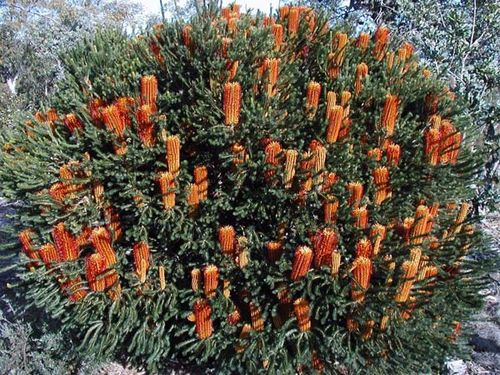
[462, 213]
[377, 234]
[381, 176]
[48, 254]
[431, 145]
[95, 266]
[375, 153]
[331, 101]
[389, 114]
[301, 310]
[141, 253]
[114, 120]
[361, 273]
[393, 154]
[419, 229]
[364, 248]
[240, 155]
[336, 58]
[325, 243]
[201, 180]
[227, 239]
[186, 37]
[52, 115]
[301, 262]
[361, 73]
[146, 126]
[256, 317]
[362, 41]
[210, 280]
[202, 311]
[334, 123]
[274, 250]
[231, 103]
[72, 122]
[101, 240]
[381, 38]
[290, 163]
[329, 179]
[66, 244]
[409, 269]
[361, 216]
[149, 91]
[26, 240]
[330, 208]
[447, 132]
[73, 289]
[312, 98]
[273, 66]
[193, 195]
[356, 191]
[167, 186]
[284, 11]
[173, 145]
[408, 47]
[389, 57]
[293, 20]
[195, 279]
[268, 21]
[277, 30]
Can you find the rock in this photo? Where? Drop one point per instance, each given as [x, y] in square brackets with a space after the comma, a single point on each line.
[456, 367]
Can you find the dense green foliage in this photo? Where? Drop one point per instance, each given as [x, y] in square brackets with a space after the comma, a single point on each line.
[102, 171]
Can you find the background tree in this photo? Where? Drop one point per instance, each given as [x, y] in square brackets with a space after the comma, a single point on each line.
[459, 39]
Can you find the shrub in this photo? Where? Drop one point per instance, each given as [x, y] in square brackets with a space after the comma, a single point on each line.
[252, 195]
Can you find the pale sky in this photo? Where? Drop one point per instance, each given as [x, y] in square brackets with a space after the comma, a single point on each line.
[153, 6]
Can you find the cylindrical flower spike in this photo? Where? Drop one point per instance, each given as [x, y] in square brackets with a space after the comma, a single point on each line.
[389, 114]
[409, 271]
[301, 262]
[278, 36]
[319, 160]
[186, 37]
[375, 153]
[431, 147]
[193, 196]
[101, 240]
[377, 234]
[274, 250]
[49, 255]
[293, 20]
[116, 123]
[335, 118]
[356, 193]
[73, 289]
[167, 185]
[231, 103]
[195, 279]
[72, 122]
[140, 253]
[331, 101]
[26, 239]
[161, 276]
[301, 309]
[66, 244]
[393, 154]
[325, 243]
[389, 58]
[201, 179]
[361, 273]
[336, 58]
[361, 216]
[202, 311]
[312, 98]
[149, 91]
[173, 145]
[272, 152]
[290, 162]
[227, 237]
[362, 41]
[272, 78]
[210, 280]
[239, 154]
[330, 208]
[95, 266]
[336, 258]
[364, 248]
[419, 229]
[146, 126]
[361, 73]
[381, 180]
[381, 38]
[256, 317]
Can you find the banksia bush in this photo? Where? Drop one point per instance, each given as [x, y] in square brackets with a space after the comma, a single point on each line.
[252, 194]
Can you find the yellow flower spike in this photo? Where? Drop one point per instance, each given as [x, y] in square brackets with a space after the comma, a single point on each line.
[301, 262]
[210, 280]
[243, 259]
[227, 239]
[335, 118]
[173, 146]
[389, 114]
[336, 259]
[231, 103]
[312, 98]
[361, 273]
[290, 163]
[161, 276]
[301, 310]
[195, 279]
